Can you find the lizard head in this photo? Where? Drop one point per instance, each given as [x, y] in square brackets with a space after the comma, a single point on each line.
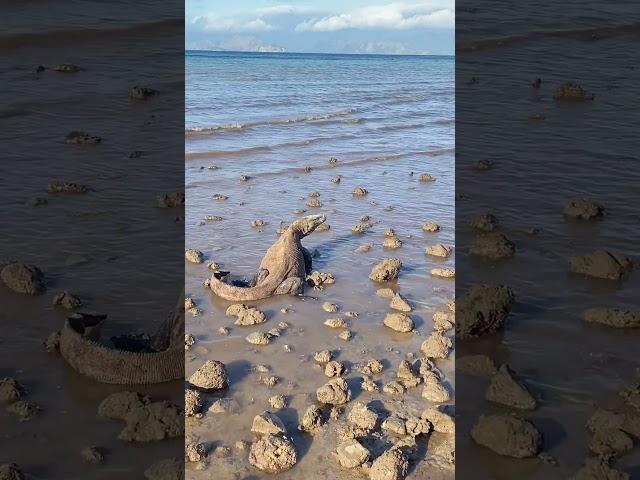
[306, 225]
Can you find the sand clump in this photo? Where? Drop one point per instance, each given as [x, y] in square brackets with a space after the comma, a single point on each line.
[10, 390]
[273, 454]
[67, 300]
[359, 192]
[447, 273]
[505, 389]
[572, 92]
[483, 310]
[476, 366]
[145, 420]
[22, 278]
[211, 376]
[440, 421]
[601, 264]
[334, 369]
[319, 279]
[436, 346]
[434, 390]
[193, 402]
[312, 420]
[485, 222]
[426, 178]
[431, 227]
[351, 454]
[507, 435]
[334, 392]
[391, 465]
[194, 256]
[78, 137]
[277, 402]
[583, 209]
[92, 455]
[392, 243]
[335, 323]
[330, 307]
[11, 471]
[398, 302]
[165, 469]
[386, 270]
[400, 322]
[613, 317]
[268, 423]
[246, 315]
[438, 250]
[494, 246]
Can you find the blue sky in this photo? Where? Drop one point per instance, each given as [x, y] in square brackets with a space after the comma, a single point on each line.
[328, 26]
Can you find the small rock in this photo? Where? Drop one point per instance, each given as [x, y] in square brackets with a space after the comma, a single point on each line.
[322, 356]
[334, 369]
[334, 392]
[583, 209]
[443, 272]
[314, 203]
[391, 465]
[431, 227]
[194, 256]
[385, 293]
[311, 420]
[601, 264]
[425, 178]
[398, 302]
[494, 246]
[400, 322]
[267, 423]
[363, 417]
[364, 248]
[273, 454]
[485, 222]
[394, 388]
[10, 390]
[330, 307]
[10, 471]
[613, 317]
[506, 390]
[258, 338]
[212, 375]
[81, 138]
[277, 402]
[438, 250]
[507, 435]
[91, 455]
[359, 192]
[392, 243]
[193, 402]
[436, 346]
[434, 391]
[23, 278]
[345, 335]
[194, 452]
[476, 366]
[166, 469]
[483, 310]
[351, 454]
[335, 323]
[572, 92]
[441, 422]
[24, 410]
[387, 270]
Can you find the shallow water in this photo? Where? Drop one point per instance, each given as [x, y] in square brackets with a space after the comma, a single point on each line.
[269, 116]
[579, 149]
[87, 244]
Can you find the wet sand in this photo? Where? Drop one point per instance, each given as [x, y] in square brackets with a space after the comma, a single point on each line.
[87, 244]
[238, 247]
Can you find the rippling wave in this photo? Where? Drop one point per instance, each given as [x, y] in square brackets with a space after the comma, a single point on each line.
[200, 131]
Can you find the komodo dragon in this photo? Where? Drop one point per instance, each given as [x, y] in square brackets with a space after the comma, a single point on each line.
[283, 269]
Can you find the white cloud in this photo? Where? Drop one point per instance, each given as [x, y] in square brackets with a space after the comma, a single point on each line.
[393, 16]
[285, 9]
[237, 43]
[215, 23]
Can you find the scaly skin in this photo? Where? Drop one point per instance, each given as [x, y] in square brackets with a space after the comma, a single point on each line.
[283, 269]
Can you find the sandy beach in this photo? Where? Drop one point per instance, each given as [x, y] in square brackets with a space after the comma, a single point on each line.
[382, 141]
